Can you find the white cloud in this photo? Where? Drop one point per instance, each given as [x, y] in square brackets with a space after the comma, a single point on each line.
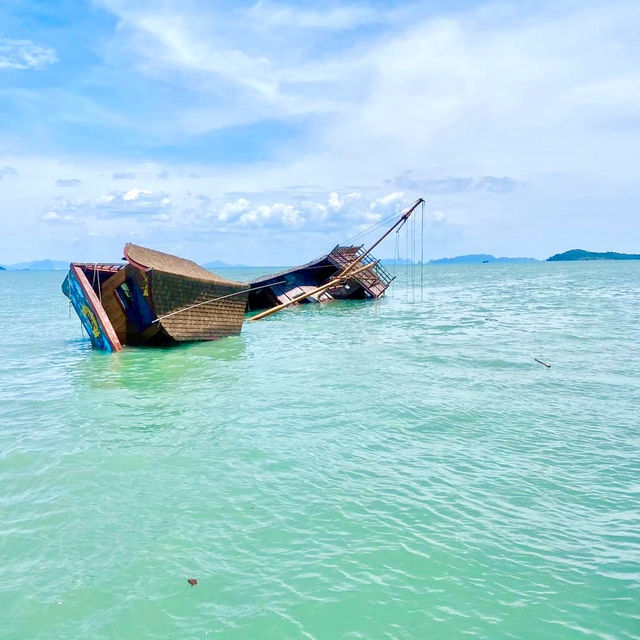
[481, 94]
[505, 118]
[233, 210]
[24, 54]
[273, 14]
[385, 201]
[135, 194]
[484, 92]
[134, 204]
[53, 217]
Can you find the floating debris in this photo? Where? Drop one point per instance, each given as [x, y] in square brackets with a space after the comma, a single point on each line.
[543, 363]
[192, 581]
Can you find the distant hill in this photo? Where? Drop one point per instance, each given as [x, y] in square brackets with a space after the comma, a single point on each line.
[39, 265]
[217, 264]
[2, 268]
[390, 262]
[478, 258]
[581, 254]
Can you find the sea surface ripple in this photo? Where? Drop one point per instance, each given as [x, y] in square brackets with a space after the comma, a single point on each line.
[401, 469]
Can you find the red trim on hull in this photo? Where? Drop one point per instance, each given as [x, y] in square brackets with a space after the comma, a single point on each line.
[101, 314]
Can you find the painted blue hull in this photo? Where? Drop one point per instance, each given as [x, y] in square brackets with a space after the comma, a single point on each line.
[89, 315]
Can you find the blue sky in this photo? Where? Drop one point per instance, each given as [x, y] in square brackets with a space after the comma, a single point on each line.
[265, 132]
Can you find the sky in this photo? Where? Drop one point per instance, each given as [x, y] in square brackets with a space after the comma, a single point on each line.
[265, 132]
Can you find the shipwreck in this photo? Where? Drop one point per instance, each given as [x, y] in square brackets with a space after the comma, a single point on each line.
[154, 298]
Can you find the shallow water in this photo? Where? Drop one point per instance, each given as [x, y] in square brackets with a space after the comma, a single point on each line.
[394, 469]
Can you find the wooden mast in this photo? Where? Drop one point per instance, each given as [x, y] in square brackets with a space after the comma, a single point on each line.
[347, 271]
[403, 218]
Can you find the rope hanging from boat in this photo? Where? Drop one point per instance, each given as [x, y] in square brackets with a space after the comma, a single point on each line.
[422, 257]
[228, 295]
[96, 280]
[410, 260]
[407, 259]
[396, 253]
[413, 258]
[411, 250]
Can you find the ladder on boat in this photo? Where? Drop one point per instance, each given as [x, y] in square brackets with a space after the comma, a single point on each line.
[374, 281]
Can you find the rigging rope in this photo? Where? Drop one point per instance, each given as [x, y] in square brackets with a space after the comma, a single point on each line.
[422, 257]
[381, 223]
[396, 253]
[413, 258]
[406, 263]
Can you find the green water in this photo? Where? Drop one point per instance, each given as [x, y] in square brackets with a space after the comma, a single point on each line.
[394, 469]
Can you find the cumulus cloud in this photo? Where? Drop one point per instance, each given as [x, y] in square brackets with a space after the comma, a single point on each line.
[24, 54]
[68, 182]
[349, 211]
[53, 217]
[135, 194]
[500, 112]
[135, 203]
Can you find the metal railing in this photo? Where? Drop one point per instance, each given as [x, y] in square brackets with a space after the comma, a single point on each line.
[346, 255]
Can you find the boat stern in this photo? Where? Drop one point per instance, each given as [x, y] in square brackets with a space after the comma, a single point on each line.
[89, 308]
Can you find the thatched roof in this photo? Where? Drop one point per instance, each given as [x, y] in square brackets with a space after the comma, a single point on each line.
[144, 258]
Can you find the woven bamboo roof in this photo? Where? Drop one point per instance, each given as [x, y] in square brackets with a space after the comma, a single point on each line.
[157, 260]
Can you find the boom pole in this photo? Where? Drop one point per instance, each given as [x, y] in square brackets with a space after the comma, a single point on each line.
[403, 218]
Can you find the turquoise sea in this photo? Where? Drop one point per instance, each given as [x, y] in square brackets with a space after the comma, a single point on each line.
[401, 469]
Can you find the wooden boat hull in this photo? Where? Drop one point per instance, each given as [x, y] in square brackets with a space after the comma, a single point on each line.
[89, 308]
[155, 299]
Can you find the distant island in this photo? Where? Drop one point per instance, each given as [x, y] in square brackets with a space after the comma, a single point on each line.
[400, 262]
[58, 265]
[218, 264]
[38, 265]
[581, 254]
[478, 258]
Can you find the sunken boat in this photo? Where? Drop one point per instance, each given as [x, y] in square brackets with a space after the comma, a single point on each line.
[345, 273]
[274, 289]
[153, 298]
